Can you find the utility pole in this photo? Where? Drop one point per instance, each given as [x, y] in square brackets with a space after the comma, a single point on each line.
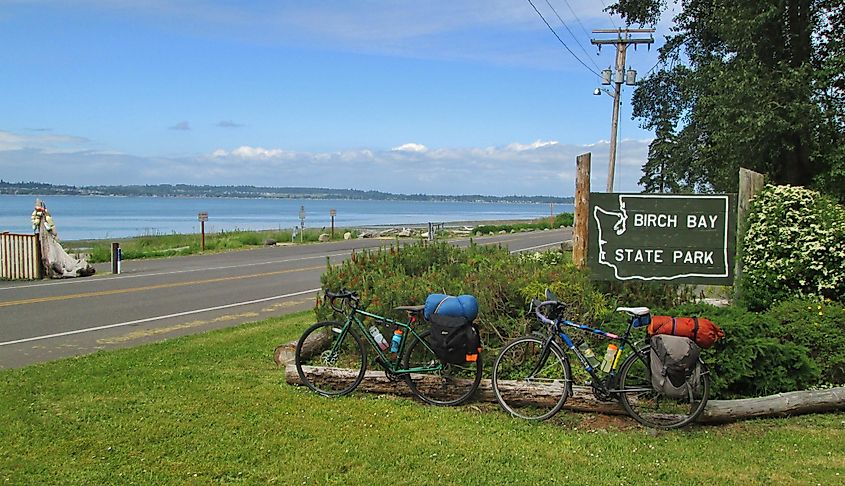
[622, 40]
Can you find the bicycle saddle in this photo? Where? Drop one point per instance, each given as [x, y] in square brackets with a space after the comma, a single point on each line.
[410, 308]
[634, 311]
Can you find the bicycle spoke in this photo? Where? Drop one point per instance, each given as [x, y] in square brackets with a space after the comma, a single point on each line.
[524, 392]
[329, 360]
[450, 384]
[652, 408]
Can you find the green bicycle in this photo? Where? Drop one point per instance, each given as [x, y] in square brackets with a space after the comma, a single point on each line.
[331, 357]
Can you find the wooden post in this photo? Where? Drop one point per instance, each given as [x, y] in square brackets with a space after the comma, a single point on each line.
[115, 255]
[582, 208]
[750, 183]
[202, 217]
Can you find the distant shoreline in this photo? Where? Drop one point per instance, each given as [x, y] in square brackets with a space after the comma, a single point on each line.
[253, 192]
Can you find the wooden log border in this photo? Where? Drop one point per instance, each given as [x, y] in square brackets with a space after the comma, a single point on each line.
[583, 400]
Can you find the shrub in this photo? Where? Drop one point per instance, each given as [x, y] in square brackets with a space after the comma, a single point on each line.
[751, 360]
[648, 294]
[562, 219]
[503, 283]
[794, 245]
[817, 325]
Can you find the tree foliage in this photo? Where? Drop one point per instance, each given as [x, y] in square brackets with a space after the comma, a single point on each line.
[744, 83]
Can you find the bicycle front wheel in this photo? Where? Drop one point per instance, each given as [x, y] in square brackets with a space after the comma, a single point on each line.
[330, 359]
[655, 409]
[530, 383]
[452, 384]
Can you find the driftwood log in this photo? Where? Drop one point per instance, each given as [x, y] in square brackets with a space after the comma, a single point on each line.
[779, 405]
[582, 400]
[285, 354]
[375, 381]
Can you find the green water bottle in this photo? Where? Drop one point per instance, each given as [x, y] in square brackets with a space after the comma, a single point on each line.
[588, 353]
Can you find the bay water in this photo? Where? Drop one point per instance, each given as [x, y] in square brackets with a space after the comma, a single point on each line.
[104, 217]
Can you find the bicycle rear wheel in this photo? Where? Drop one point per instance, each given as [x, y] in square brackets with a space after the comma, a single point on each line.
[529, 385]
[652, 408]
[453, 384]
[330, 360]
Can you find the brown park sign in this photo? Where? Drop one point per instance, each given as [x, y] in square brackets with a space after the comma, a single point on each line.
[662, 237]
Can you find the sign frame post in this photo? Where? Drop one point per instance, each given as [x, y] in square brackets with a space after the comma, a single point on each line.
[202, 217]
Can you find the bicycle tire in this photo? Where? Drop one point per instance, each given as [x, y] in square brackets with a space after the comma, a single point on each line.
[654, 409]
[344, 355]
[453, 385]
[525, 393]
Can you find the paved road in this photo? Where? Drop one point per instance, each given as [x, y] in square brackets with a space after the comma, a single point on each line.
[159, 299]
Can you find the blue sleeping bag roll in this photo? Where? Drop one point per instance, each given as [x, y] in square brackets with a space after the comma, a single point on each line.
[465, 306]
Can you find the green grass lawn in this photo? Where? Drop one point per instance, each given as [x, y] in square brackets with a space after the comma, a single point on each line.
[213, 408]
[159, 246]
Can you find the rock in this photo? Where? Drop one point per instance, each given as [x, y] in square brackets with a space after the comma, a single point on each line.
[502, 232]
[404, 233]
[269, 242]
[323, 237]
[347, 235]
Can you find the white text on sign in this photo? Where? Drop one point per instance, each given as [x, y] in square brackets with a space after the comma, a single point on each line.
[651, 220]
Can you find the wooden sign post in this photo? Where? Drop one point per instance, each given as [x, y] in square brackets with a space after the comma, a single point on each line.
[202, 217]
[582, 209]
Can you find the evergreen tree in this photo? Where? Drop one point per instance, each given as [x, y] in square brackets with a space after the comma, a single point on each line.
[745, 83]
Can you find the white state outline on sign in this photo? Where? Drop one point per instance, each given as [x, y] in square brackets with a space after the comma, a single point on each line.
[621, 226]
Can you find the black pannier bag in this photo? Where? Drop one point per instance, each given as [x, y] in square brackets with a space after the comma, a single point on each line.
[454, 339]
[454, 336]
[675, 369]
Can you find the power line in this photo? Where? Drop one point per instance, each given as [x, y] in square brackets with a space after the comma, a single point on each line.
[576, 17]
[572, 34]
[561, 40]
[608, 14]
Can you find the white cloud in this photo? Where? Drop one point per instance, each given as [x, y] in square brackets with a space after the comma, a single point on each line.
[518, 147]
[410, 147]
[245, 152]
[48, 142]
[539, 167]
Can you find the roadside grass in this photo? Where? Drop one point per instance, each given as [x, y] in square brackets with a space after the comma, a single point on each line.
[157, 246]
[213, 408]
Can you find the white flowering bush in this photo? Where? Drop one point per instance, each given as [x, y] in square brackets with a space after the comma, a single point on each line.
[794, 245]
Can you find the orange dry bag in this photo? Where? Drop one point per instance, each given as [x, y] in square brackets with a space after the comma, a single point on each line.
[703, 331]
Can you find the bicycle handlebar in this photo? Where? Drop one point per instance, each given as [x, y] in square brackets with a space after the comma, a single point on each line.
[344, 295]
[542, 317]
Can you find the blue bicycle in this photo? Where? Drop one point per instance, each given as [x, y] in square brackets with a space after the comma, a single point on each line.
[532, 377]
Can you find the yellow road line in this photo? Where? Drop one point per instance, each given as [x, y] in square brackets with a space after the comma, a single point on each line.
[102, 293]
[197, 323]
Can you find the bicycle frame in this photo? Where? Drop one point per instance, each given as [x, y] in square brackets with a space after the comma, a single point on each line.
[608, 383]
[353, 319]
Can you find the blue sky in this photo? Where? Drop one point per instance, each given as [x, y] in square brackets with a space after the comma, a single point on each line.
[444, 97]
